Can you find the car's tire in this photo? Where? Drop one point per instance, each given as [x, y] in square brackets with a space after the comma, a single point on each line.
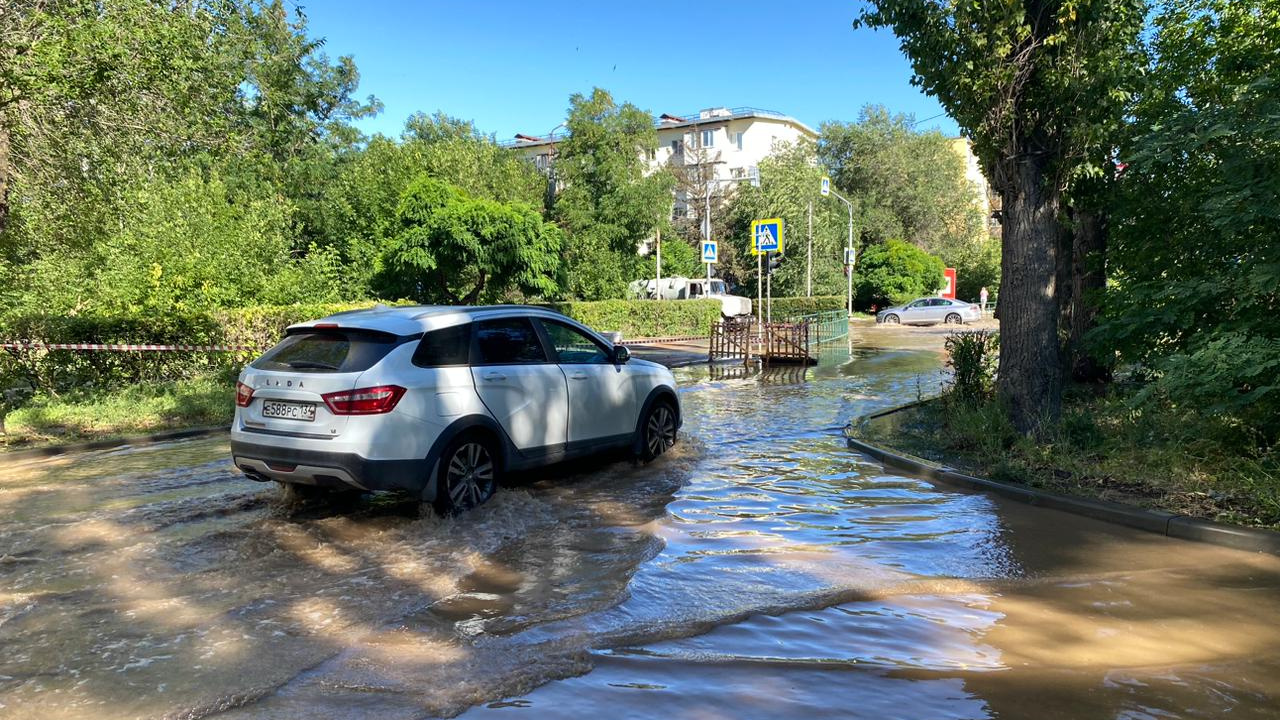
[468, 475]
[658, 430]
[892, 319]
[954, 319]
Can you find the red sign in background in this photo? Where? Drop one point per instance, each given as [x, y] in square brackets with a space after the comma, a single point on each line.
[949, 288]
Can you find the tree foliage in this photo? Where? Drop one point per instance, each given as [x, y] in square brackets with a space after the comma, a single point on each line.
[789, 181]
[453, 248]
[1196, 239]
[910, 185]
[608, 202]
[895, 272]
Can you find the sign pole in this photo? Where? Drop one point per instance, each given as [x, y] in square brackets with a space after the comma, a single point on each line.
[759, 289]
[808, 255]
[768, 284]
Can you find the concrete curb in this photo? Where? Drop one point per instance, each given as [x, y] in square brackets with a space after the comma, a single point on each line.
[1157, 521]
[108, 443]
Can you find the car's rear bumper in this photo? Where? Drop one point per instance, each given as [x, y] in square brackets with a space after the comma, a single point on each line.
[327, 469]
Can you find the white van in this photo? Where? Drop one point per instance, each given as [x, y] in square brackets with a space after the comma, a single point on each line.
[679, 288]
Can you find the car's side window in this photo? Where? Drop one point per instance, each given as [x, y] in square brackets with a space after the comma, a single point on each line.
[507, 341]
[572, 346]
[918, 304]
[444, 347]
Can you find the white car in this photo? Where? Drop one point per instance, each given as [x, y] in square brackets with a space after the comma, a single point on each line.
[441, 401]
[930, 311]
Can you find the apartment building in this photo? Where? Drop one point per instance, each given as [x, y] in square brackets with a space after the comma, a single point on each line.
[729, 140]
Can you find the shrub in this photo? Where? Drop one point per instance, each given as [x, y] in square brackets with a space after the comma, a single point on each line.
[895, 272]
[644, 318]
[972, 357]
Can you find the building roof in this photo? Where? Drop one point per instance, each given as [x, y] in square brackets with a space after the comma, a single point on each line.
[668, 120]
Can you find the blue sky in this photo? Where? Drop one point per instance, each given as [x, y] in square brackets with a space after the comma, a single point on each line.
[511, 67]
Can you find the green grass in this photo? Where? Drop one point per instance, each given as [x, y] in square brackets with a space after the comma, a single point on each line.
[139, 409]
[1171, 459]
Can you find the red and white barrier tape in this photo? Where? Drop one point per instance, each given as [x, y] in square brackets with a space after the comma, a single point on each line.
[119, 347]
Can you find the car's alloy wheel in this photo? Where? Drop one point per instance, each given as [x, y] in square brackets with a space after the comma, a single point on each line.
[891, 319]
[468, 478]
[953, 319]
[659, 431]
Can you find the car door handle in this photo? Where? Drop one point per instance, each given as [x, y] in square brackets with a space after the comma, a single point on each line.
[579, 375]
[494, 377]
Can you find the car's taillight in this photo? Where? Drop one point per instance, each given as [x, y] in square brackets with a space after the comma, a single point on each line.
[364, 401]
[244, 394]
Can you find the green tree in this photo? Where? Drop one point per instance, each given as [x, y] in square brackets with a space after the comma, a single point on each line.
[789, 180]
[895, 272]
[457, 249]
[680, 259]
[299, 108]
[1032, 82]
[1195, 258]
[609, 203]
[360, 203]
[910, 185]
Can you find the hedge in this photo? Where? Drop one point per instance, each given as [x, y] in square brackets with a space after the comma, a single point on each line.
[258, 328]
[789, 307]
[644, 318]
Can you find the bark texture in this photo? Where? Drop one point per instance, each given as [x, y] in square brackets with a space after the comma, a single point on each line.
[1088, 280]
[5, 174]
[1030, 373]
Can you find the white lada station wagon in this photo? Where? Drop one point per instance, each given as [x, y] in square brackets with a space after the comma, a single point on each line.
[440, 401]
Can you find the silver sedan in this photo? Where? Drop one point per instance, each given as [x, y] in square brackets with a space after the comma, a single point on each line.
[929, 311]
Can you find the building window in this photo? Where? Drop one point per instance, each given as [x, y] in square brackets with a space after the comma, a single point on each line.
[651, 154]
[708, 138]
[677, 147]
[738, 172]
[678, 212]
[541, 161]
[740, 140]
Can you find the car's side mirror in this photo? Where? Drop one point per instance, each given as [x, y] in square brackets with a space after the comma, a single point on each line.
[621, 354]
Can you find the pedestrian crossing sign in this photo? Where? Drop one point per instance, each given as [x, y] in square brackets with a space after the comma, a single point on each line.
[766, 236]
[709, 251]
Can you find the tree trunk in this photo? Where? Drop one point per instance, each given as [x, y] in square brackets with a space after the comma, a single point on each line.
[1063, 282]
[5, 174]
[1088, 280]
[1030, 374]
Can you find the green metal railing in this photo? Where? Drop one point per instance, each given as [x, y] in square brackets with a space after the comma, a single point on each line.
[825, 326]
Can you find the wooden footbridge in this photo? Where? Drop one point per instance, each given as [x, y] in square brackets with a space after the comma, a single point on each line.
[788, 342]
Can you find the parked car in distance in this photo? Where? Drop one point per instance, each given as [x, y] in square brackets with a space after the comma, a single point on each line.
[442, 401]
[930, 311]
[680, 288]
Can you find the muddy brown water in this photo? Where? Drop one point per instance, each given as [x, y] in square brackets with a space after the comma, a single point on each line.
[761, 569]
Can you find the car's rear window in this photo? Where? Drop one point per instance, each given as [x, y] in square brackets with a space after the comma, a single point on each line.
[333, 351]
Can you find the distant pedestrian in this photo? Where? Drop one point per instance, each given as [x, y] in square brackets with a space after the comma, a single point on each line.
[982, 296]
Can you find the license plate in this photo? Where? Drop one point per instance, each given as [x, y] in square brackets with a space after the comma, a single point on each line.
[305, 412]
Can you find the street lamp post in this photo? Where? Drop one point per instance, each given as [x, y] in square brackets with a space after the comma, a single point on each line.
[849, 245]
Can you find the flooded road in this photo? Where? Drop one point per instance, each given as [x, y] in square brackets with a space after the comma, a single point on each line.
[761, 569]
